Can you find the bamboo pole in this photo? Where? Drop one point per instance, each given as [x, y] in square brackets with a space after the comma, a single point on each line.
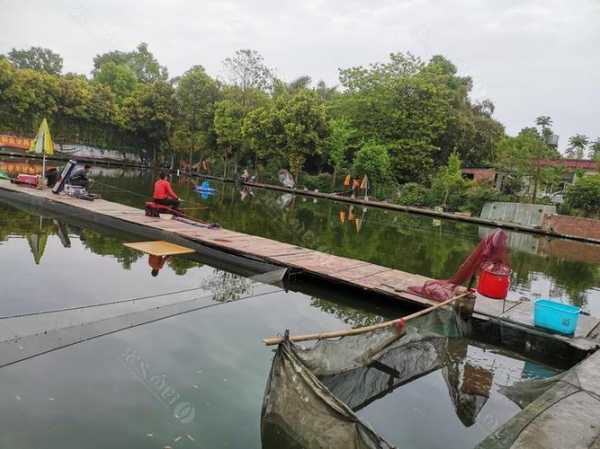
[270, 341]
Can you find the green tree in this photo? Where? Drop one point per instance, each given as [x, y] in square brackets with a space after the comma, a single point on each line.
[195, 98]
[577, 145]
[303, 120]
[372, 160]
[448, 179]
[228, 128]
[337, 143]
[141, 61]
[594, 150]
[519, 157]
[119, 77]
[37, 58]
[292, 127]
[149, 114]
[545, 124]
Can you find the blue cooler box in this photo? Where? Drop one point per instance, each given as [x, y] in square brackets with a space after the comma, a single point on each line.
[555, 316]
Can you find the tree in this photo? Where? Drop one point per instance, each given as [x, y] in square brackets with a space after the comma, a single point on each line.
[595, 150]
[247, 70]
[195, 97]
[141, 61]
[149, 114]
[292, 127]
[228, 128]
[340, 135]
[577, 144]
[37, 58]
[372, 160]
[449, 179]
[585, 195]
[303, 119]
[119, 77]
[545, 124]
[519, 157]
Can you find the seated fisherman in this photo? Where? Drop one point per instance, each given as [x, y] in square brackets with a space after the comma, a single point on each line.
[79, 176]
[164, 194]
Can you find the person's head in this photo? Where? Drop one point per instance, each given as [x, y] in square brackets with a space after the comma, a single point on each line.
[154, 272]
[87, 167]
[162, 175]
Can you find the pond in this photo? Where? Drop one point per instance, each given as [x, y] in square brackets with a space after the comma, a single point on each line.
[197, 379]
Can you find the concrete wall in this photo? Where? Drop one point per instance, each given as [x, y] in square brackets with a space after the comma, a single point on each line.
[577, 226]
[521, 213]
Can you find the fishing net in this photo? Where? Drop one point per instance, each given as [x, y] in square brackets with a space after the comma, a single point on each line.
[313, 392]
[491, 254]
[558, 412]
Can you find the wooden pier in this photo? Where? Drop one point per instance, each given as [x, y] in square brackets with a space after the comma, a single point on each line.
[341, 270]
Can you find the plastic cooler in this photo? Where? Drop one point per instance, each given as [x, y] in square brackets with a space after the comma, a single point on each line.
[555, 316]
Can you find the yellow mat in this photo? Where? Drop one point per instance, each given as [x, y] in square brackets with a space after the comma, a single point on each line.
[159, 248]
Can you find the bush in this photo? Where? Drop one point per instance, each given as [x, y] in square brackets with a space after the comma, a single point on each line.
[413, 194]
[479, 194]
[322, 181]
[585, 195]
[374, 161]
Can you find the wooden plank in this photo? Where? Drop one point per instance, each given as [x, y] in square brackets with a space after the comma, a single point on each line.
[361, 271]
[159, 248]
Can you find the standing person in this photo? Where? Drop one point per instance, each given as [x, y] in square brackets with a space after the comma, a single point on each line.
[163, 192]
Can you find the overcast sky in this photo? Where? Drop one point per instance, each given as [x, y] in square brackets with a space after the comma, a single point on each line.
[529, 57]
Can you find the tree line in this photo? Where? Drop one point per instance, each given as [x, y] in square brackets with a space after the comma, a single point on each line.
[398, 121]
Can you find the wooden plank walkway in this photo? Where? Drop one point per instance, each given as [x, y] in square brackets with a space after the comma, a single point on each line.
[342, 270]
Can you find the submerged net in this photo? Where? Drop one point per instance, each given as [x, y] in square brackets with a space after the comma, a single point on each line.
[491, 252]
[313, 393]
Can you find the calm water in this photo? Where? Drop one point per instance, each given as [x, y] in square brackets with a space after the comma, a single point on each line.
[95, 395]
[542, 267]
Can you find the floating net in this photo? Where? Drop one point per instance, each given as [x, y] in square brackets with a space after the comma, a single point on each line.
[492, 252]
[559, 412]
[313, 393]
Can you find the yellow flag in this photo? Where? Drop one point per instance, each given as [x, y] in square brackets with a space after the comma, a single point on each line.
[43, 141]
[365, 183]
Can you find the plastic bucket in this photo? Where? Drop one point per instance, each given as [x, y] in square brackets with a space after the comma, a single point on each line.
[494, 283]
[555, 316]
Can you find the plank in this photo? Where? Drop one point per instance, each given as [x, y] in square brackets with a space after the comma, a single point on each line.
[159, 248]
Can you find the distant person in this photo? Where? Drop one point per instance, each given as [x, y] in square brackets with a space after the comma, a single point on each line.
[79, 176]
[156, 263]
[164, 194]
[52, 175]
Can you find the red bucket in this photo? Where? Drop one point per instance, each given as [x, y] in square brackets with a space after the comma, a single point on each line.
[494, 280]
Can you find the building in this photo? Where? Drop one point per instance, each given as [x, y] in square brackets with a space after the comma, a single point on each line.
[571, 169]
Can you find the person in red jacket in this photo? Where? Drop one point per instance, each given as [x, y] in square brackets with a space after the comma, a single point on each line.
[164, 194]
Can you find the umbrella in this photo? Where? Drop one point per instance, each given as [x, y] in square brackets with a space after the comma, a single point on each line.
[42, 144]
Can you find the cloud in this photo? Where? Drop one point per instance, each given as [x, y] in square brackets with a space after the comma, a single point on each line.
[531, 57]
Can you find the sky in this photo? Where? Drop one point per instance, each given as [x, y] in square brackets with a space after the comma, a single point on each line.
[529, 57]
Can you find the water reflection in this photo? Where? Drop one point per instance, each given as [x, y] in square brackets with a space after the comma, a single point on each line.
[418, 244]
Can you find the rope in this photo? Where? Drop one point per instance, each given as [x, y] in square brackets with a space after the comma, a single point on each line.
[153, 320]
[117, 301]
